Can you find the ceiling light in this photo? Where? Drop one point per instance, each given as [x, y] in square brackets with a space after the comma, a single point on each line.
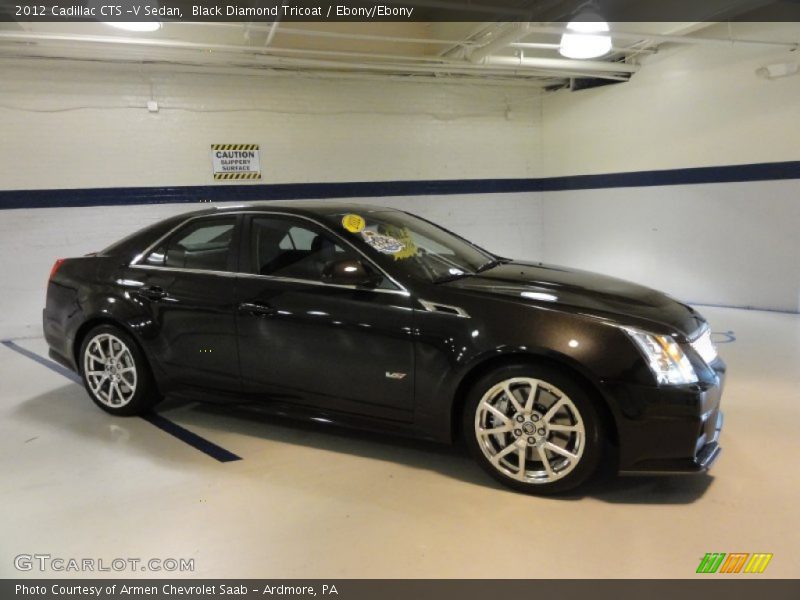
[137, 26]
[588, 40]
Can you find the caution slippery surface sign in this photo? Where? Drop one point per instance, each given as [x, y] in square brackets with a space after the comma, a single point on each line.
[236, 161]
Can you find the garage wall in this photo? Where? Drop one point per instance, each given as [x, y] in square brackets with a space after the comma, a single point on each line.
[85, 126]
[88, 126]
[690, 106]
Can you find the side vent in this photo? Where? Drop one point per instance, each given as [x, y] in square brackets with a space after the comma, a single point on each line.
[444, 309]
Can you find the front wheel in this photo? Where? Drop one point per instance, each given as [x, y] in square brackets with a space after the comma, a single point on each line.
[533, 428]
[115, 372]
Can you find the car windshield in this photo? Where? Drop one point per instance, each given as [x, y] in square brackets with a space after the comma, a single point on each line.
[417, 247]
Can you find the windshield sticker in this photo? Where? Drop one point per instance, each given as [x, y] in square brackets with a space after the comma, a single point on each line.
[383, 243]
[402, 235]
[353, 223]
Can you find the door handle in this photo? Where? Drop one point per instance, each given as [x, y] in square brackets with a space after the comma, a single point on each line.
[257, 309]
[152, 292]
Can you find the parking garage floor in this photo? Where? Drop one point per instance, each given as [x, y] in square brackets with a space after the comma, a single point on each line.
[306, 500]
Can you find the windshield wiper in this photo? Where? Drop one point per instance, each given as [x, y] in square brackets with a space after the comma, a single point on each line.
[452, 277]
[484, 267]
[495, 262]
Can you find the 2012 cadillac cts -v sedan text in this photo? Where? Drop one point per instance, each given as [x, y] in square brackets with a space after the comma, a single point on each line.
[375, 318]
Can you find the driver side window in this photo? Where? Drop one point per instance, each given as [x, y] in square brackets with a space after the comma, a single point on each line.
[284, 247]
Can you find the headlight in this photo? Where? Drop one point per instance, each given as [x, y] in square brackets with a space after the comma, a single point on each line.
[664, 357]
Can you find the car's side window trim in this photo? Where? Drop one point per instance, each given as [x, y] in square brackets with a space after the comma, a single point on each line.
[246, 247]
[183, 270]
[242, 241]
[233, 256]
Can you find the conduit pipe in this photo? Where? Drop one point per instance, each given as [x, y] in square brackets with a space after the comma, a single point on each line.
[272, 31]
[675, 39]
[592, 66]
[512, 33]
[532, 66]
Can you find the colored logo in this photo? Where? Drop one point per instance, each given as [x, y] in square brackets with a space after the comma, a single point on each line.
[735, 562]
[353, 223]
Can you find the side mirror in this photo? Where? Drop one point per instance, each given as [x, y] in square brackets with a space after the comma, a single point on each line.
[157, 257]
[349, 271]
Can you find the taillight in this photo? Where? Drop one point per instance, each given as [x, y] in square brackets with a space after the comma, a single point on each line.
[56, 266]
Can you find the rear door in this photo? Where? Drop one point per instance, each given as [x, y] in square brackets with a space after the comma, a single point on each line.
[187, 285]
[306, 341]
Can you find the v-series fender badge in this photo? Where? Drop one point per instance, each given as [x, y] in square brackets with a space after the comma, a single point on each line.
[390, 375]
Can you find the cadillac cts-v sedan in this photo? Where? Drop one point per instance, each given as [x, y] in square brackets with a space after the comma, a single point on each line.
[375, 318]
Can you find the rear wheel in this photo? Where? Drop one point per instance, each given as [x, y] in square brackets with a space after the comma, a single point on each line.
[115, 372]
[533, 428]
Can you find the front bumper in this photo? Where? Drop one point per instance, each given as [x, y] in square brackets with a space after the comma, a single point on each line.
[669, 430]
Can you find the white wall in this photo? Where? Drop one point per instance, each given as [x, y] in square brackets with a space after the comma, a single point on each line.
[690, 106]
[732, 244]
[75, 126]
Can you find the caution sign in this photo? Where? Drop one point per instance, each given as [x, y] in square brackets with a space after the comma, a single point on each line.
[236, 161]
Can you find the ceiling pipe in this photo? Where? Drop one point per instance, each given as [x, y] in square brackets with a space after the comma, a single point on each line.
[261, 61]
[530, 66]
[272, 31]
[518, 31]
[542, 46]
[676, 39]
[514, 32]
[561, 64]
[335, 34]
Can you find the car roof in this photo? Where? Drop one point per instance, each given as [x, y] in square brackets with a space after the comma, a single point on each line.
[299, 207]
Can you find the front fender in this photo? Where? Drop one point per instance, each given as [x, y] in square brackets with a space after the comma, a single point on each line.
[456, 351]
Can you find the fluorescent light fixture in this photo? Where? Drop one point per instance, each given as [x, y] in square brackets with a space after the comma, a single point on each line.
[137, 26]
[588, 40]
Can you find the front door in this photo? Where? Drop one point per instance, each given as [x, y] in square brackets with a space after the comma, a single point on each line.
[305, 341]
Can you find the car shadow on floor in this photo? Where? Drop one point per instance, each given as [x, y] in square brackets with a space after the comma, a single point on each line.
[68, 408]
[452, 461]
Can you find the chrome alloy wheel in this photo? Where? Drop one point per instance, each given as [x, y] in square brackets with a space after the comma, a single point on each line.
[110, 370]
[530, 430]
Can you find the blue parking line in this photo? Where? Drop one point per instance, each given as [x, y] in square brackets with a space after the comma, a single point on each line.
[45, 362]
[164, 424]
[194, 440]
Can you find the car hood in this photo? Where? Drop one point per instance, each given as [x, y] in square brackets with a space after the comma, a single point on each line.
[607, 297]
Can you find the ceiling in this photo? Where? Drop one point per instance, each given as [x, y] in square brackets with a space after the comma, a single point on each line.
[490, 52]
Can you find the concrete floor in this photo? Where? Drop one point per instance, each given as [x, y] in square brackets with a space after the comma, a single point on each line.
[308, 501]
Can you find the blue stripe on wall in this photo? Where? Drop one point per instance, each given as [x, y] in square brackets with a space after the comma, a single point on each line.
[365, 189]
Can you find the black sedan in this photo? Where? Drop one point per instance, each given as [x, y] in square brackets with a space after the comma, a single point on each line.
[375, 318]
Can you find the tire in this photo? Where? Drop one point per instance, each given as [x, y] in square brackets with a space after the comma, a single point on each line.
[530, 434]
[125, 385]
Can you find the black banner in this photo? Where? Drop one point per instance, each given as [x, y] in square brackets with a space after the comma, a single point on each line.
[734, 588]
[540, 11]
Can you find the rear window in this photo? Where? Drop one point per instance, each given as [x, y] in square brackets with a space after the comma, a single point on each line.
[203, 244]
[138, 241]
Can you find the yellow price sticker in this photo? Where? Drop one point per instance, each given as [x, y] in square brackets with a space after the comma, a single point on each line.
[353, 223]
